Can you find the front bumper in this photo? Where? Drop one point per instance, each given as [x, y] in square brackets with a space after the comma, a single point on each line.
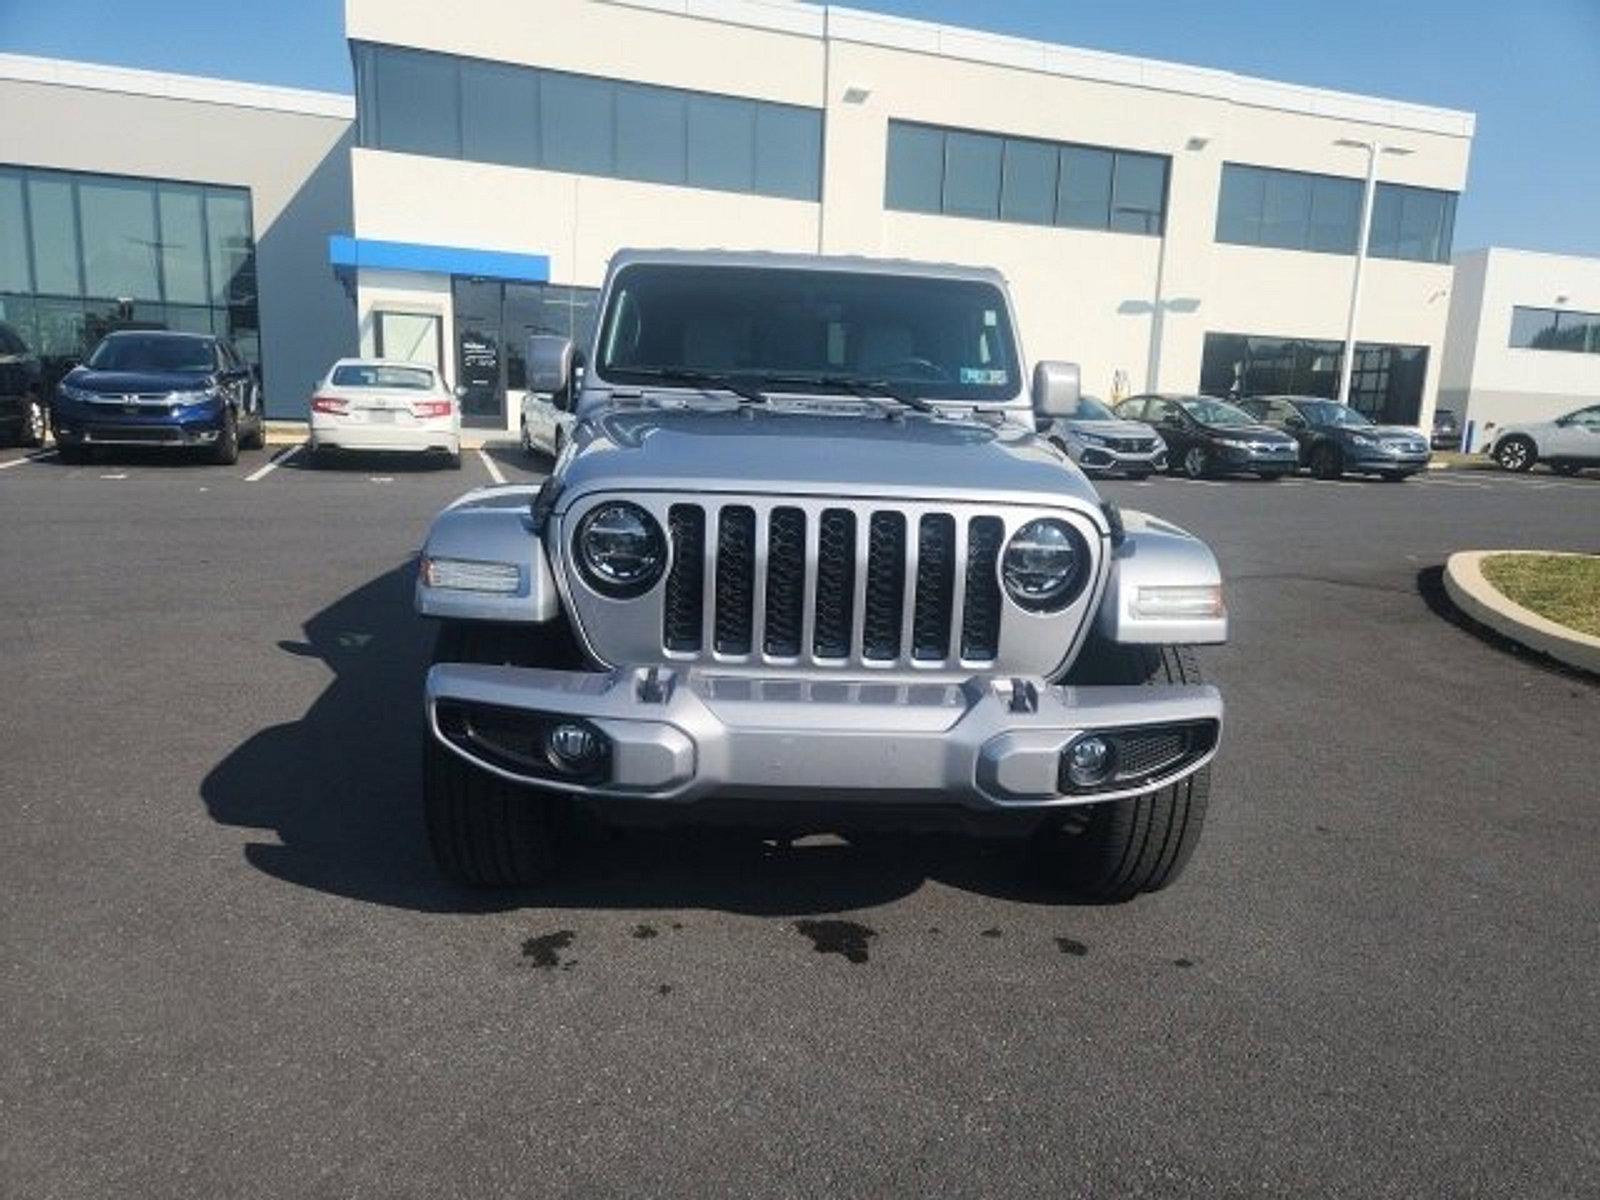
[1102, 459]
[78, 423]
[680, 736]
[1236, 458]
[1373, 462]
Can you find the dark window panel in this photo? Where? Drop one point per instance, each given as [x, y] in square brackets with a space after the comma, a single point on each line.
[500, 114]
[57, 264]
[1028, 182]
[788, 152]
[1528, 325]
[120, 248]
[1286, 210]
[651, 134]
[1083, 194]
[1335, 215]
[418, 100]
[722, 134]
[366, 80]
[1383, 238]
[14, 273]
[972, 174]
[1240, 203]
[1138, 193]
[915, 168]
[230, 247]
[183, 244]
[575, 123]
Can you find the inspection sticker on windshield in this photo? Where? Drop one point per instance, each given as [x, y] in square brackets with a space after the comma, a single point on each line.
[982, 375]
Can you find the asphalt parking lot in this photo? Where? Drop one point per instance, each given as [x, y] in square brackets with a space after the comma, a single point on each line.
[229, 968]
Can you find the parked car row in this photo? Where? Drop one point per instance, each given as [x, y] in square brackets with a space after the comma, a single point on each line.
[1266, 436]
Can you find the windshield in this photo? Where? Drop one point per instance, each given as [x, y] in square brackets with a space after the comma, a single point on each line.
[1210, 411]
[1327, 412]
[371, 375]
[131, 352]
[801, 330]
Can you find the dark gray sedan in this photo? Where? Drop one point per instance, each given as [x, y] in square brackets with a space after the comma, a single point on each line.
[1334, 438]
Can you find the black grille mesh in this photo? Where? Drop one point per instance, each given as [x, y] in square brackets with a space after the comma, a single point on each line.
[936, 580]
[836, 583]
[886, 586]
[786, 582]
[980, 614]
[1146, 753]
[736, 574]
[682, 612]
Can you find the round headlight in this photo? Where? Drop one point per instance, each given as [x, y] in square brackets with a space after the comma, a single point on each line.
[1046, 564]
[621, 549]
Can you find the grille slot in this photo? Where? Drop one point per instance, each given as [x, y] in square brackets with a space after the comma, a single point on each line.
[736, 579]
[980, 615]
[886, 586]
[836, 583]
[683, 608]
[786, 583]
[936, 587]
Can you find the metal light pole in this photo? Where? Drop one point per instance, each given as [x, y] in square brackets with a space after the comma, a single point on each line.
[1348, 359]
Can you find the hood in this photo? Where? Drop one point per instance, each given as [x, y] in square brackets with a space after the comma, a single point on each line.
[819, 452]
[1112, 428]
[136, 381]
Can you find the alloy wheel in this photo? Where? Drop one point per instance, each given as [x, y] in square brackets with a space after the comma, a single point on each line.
[36, 423]
[1194, 462]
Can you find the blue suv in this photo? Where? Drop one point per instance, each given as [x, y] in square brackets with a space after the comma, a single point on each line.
[155, 388]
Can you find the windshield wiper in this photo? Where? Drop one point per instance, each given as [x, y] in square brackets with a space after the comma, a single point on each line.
[867, 389]
[705, 380]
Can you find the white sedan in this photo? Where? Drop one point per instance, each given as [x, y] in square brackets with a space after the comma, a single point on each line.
[374, 404]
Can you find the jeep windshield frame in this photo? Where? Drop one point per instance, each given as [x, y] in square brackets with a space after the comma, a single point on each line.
[782, 330]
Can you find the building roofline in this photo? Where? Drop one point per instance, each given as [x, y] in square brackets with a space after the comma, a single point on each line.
[828, 21]
[61, 72]
[1517, 252]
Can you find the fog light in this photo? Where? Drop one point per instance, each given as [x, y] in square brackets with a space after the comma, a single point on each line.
[572, 747]
[1090, 761]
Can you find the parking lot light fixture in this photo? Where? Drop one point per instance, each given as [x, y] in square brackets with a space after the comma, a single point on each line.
[1373, 149]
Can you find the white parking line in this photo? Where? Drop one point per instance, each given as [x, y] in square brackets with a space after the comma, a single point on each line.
[489, 465]
[276, 461]
[116, 475]
[28, 458]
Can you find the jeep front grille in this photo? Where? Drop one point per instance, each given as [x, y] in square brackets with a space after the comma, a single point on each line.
[907, 601]
[825, 582]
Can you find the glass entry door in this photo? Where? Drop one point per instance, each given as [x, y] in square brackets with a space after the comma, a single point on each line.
[480, 361]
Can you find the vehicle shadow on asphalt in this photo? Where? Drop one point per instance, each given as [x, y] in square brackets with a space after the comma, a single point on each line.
[339, 791]
[366, 462]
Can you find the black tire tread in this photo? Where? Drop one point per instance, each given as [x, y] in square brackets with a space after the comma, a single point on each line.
[1140, 845]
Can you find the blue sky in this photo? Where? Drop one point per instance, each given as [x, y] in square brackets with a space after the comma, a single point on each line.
[1530, 69]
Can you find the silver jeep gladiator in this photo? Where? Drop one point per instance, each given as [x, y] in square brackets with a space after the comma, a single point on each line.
[804, 564]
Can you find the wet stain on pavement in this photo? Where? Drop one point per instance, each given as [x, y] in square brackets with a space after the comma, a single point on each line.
[991, 933]
[838, 937]
[645, 931]
[664, 989]
[545, 952]
[1071, 946]
[1183, 962]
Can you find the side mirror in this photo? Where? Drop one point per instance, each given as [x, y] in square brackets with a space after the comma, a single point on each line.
[1294, 422]
[1056, 388]
[550, 362]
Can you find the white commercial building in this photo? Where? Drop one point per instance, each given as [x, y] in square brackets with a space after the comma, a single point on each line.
[1168, 227]
[1524, 338]
[136, 197]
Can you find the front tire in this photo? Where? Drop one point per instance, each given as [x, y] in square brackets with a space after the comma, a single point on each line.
[1110, 852]
[1325, 462]
[225, 452]
[1516, 453]
[1196, 463]
[485, 831]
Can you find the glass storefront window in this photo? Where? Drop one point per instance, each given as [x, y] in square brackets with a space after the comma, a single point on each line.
[1386, 382]
[101, 252]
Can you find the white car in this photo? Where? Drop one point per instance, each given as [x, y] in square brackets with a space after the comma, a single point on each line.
[376, 404]
[1100, 442]
[1566, 445]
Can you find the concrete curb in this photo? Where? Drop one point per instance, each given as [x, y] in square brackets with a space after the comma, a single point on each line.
[1479, 599]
